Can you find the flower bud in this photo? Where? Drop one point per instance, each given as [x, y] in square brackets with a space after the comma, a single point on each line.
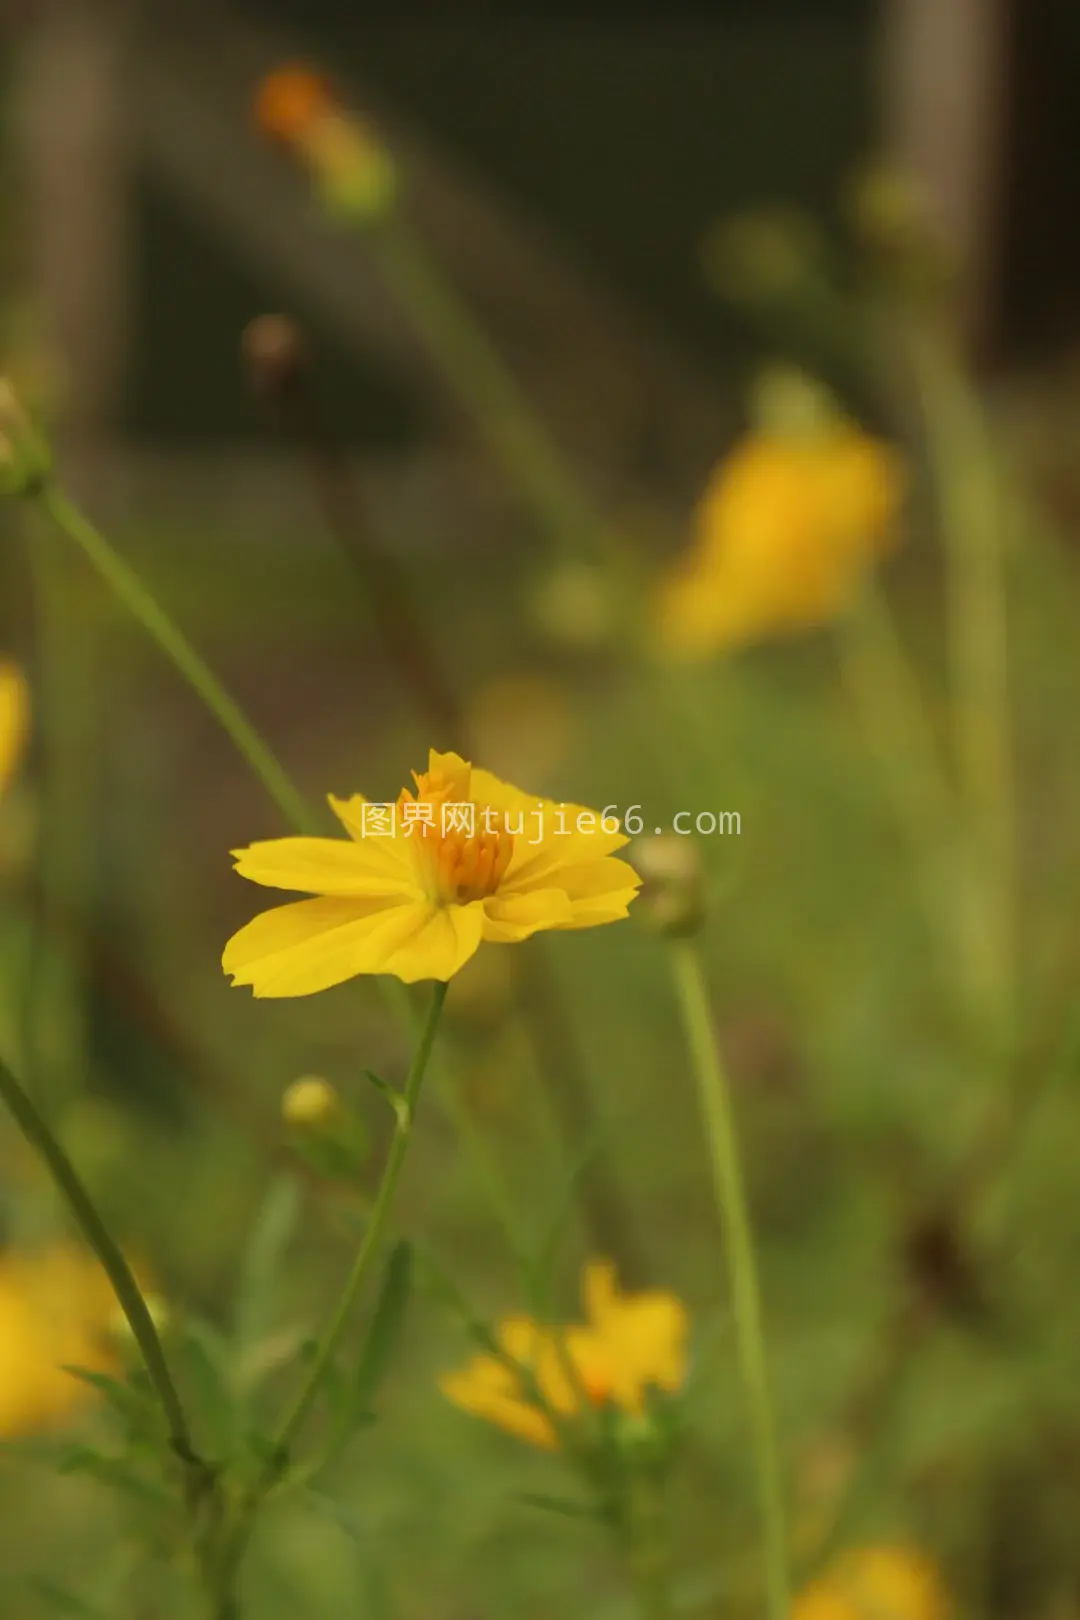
[787, 403]
[324, 1131]
[297, 108]
[25, 462]
[311, 1103]
[672, 896]
[275, 356]
[764, 257]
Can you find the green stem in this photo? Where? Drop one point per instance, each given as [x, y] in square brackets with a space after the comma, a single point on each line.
[476, 369]
[116, 1268]
[367, 1253]
[200, 677]
[647, 1553]
[971, 500]
[204, 683]
[716, 1108]
[887, 695]
[67, 649]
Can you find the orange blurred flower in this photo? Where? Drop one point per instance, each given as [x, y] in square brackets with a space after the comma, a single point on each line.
[289, 101]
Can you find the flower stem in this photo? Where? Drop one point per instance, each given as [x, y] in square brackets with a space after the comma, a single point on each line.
[108, 1252]
[473, 364]
[174, 644]
[971, 501]
[204, 683]
[366, 1255]
[886, 693]
[715, 1099]
[646, 1548]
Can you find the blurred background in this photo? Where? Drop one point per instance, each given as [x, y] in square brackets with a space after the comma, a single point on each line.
[568, 170]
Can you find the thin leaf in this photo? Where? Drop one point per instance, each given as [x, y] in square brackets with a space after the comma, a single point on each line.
[386, 1324]
[135, 1407]
[391, 1094]
[270, 1236]
[206, 1356]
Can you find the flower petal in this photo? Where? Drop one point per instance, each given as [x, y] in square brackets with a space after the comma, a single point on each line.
[14, 719]
[475, 1391]
[298, 949]
[337, 866]
[389, 849]
[444, 940]
[509, 918]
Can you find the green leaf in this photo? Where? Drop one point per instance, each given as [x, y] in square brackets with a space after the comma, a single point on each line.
[207, 1359]
[133, 1405]
[270, 1237]
[392, 1095]
[386, 1324]
[116, 1474]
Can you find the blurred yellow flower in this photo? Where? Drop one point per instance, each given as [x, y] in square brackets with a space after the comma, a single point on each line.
[421, 882]
[629, 1343]
[56, 1310]
[14, 719]
[785, 531]
[875, 1583]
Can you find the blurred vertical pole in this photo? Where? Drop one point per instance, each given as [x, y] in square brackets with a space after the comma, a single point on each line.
[944, 114]
[70, 172]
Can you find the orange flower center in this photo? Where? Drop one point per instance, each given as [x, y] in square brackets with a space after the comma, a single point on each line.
[596, 1387]
[466, 849]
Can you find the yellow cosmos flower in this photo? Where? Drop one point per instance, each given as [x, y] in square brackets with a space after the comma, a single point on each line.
[784, 533]
[876, 1583]
[419, 884]
[56, 1309]
[629, 1343]
[14, 720]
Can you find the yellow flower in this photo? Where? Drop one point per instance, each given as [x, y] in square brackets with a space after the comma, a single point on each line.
[56, 1310]
[784, 534]
[14, 720]
[875, 1583]
[629, 1343]
[419, 884]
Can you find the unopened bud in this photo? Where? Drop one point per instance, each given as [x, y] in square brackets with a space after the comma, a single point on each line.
[25, 462]
[297, 108]
[275, 356]
[763, 257]
[892, 217]
[787, 403]
[311, 1103]
[671, 900]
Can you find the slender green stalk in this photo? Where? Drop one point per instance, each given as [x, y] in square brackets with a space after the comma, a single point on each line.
[235, 1539]
[373, 1233]
[53, 999]
[646, 1549]
[716, 1109]
[116, 1268]
[143, 606]
[971, 504]
[884, 689]
[474, 366]
[200, 677]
